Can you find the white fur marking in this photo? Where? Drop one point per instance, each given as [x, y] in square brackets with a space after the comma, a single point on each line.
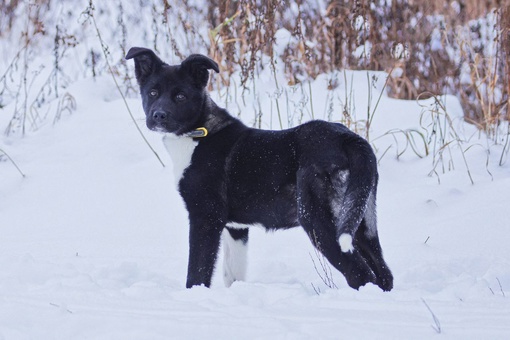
[235, 225]
[345, 241]
[180, 150]
[371, 217]
[339, 205]
[343, 175]
[235, 259]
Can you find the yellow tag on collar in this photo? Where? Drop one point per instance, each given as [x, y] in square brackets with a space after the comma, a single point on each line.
[198, 133]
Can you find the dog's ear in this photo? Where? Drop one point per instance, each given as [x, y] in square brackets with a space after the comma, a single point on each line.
[198, 67]
[146, 62]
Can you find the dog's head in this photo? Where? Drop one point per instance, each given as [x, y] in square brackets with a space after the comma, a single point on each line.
[173, 96]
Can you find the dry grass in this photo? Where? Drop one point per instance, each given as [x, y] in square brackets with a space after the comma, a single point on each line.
[430, 44]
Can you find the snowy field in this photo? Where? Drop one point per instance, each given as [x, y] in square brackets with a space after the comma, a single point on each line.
[93, 241]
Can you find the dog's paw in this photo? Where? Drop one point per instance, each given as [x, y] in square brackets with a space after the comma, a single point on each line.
[360, 273]
[385, 280]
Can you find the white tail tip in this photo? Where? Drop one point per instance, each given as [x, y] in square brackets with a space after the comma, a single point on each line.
[345, 241]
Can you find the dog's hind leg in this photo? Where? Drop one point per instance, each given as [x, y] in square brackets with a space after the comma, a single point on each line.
[351, 264]
[367, 241]
[235, 246]
[316, 217]
[348, 201]
[370, 249]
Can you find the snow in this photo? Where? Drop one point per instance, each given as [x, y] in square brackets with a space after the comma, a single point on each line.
[93, 241]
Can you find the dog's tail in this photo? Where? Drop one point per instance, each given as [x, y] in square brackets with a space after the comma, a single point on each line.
[354, 193]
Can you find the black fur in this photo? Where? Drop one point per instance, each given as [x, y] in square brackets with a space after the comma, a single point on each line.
[318, 175]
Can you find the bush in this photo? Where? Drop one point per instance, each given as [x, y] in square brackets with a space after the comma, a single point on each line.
[429, 46]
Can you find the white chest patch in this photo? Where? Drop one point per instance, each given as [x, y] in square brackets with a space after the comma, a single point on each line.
[180, 150]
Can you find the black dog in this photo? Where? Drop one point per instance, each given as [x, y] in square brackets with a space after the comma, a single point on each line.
[319, 175]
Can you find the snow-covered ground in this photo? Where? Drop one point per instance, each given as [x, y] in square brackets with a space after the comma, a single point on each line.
[93, 242]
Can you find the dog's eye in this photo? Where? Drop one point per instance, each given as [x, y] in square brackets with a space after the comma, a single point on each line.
[180, 97]
[153, 93]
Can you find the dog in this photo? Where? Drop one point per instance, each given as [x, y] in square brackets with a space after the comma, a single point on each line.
[319, 175]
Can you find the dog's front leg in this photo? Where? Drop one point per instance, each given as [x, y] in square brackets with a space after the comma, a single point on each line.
[204, 242]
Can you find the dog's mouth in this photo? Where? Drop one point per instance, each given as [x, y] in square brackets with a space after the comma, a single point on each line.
[159, 121]
[166, 127]
[159, 127]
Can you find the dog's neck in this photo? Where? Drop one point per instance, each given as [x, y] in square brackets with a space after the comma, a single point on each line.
[216, 118]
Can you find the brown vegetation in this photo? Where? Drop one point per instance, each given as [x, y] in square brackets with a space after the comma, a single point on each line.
[458, 47]
[430, 47]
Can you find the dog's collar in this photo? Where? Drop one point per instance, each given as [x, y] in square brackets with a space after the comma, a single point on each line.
[198, 133]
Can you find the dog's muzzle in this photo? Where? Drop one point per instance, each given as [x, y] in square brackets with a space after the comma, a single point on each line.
[160, 120]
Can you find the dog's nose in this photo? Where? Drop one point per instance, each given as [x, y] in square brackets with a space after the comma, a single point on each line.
[159, 116]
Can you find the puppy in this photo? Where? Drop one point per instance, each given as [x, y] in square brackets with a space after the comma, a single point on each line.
[319, 175]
